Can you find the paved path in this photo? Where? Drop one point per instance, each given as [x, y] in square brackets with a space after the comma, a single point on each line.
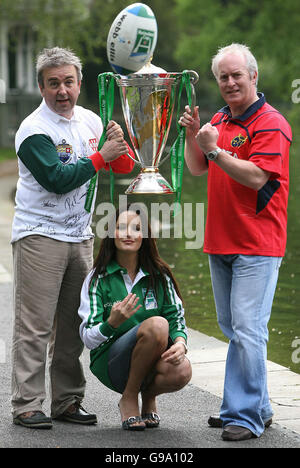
[184, 414]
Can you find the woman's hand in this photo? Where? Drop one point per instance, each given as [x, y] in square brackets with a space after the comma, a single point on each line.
[123, 310]
[175, 354]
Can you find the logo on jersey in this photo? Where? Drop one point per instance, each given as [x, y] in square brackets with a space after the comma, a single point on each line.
[150, 301]
[93, 144]
[64, 152]
[238, 141]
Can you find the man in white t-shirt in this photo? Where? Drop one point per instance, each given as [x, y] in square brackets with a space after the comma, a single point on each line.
[52, 239]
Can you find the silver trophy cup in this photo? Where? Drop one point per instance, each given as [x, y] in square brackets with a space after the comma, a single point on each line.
[148, 103]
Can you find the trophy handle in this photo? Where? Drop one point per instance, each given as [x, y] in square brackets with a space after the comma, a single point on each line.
[134, 160]
[193, 98]
[164, 159]
[194, 78]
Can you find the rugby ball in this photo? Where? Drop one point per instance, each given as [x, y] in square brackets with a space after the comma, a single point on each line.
[132, 39]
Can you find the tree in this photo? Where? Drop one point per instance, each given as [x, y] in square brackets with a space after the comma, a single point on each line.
[56, 22]
[189, 34]
[102, 15]
[270, 28]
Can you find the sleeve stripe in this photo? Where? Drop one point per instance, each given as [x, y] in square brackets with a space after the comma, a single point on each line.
[181, 325]
[93, 303]
[171, 290]
[272, 130]
[265, 154]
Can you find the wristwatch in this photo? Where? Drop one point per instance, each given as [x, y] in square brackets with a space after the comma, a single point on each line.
[213, 155]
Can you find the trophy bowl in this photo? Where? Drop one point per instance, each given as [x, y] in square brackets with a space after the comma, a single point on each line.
[148, 103]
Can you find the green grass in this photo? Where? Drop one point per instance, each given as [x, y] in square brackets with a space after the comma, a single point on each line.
[7, 153]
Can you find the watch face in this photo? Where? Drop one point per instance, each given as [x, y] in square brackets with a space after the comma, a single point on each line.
[212, 155]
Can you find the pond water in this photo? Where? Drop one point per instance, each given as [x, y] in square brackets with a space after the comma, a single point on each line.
[190, 266]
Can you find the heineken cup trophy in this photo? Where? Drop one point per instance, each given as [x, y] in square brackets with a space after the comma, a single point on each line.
[148, 103]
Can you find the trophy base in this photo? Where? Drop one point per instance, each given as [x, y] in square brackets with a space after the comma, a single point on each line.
[149, 181]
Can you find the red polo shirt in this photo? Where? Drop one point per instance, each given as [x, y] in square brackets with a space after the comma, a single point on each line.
[241, 220]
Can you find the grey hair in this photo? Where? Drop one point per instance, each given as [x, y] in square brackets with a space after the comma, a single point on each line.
[56, 57]
[237, 49]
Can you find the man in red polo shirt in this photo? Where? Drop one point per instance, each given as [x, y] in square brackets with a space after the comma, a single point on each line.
[245, 150]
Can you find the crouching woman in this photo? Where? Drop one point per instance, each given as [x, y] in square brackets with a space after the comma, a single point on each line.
[133, 321]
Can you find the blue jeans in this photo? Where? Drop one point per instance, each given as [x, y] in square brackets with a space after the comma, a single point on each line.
[244, 288]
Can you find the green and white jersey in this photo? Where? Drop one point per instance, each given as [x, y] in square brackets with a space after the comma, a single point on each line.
[98, 298]
[54, 174]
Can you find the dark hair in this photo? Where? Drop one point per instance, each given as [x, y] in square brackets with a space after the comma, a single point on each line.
[148, 256]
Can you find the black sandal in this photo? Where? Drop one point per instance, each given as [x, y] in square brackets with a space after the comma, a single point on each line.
[151, 419]
[130, 424]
